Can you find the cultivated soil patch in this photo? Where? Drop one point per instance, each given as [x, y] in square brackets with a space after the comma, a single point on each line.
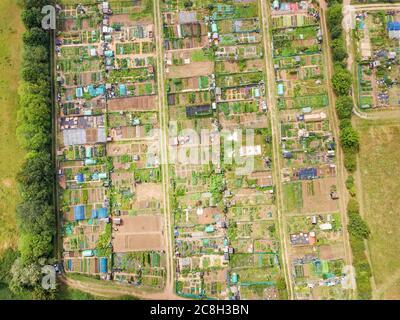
[316, 195]
[138, 233]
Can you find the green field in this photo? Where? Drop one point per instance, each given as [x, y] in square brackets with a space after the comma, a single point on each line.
[380, 171]
[293, 197]
[11, 155]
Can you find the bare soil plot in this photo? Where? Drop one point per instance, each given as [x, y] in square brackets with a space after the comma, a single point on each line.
[143, 103]
[149, 191]
[194, 69]
[331, 252]
[138, 233]
[316, 195]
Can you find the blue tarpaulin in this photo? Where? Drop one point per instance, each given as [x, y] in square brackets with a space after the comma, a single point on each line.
[122, 90]
[307, 173]
[103, 265]
[103, 213]
[393, 26]
[79, 212]
[69, 264]
[79, 92]
[80, 178]
[95, 92]
[100, 90]
[94, 214]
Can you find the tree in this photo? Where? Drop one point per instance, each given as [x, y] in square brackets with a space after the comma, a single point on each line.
[334, 20]
[338, 50]
[35, 217]
[350, 160]
[353, 206]
[36, 54]
[344, 107]
[341, 81]
[35, 246]
[35, 37]
[345, 123]
[24, 277]
[349, 139]
[32, 17]
[34, 123]
[357, 226]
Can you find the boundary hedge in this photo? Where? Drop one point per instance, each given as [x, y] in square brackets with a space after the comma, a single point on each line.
[35, 212]
[349, 139]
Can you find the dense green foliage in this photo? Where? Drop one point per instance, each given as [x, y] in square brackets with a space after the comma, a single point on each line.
[349, 138]
[341, 83]
[339, 52]
[344, 106]
[334, 20]
[35, 212]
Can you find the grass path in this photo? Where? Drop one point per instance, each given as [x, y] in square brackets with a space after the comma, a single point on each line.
[11, 155]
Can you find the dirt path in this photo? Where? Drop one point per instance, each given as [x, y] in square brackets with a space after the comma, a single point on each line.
[265, 11]
[342, 174]
[163, 111]
[117, 290]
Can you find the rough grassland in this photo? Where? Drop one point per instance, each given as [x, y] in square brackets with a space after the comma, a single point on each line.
[11, 155]
[380, 180]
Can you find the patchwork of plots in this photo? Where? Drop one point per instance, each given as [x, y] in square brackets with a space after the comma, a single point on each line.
[316, 251]
[109, 173]
[377, 38]
[225, 232]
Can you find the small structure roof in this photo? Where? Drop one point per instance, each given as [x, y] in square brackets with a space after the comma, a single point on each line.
[79, 212]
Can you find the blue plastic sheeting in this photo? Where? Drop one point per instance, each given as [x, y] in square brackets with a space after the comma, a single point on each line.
[79, 92]
[307, 173]
[103, 213]
[69, 264]
[79, 212]
[103, 265]
[80, 178]
[94, 214]
[95, 92]
[122, 90]
[100, 90]
[393, 26]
